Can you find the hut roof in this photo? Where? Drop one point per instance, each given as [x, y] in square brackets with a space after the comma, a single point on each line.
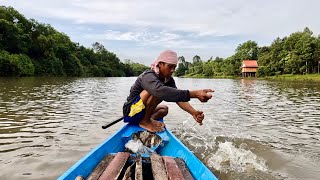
[249, 64]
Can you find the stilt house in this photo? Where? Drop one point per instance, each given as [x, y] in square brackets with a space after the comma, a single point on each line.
[249, 68]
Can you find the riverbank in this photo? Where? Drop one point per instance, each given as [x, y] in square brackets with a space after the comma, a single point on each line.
[291, 77]
[286, 77]
[209, 77]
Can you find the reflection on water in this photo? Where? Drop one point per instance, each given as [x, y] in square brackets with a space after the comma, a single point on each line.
[257, 129]
[254, 129]
[47, 124]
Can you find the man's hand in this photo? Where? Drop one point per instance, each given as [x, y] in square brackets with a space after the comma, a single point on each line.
[203, 95]
[198, 116]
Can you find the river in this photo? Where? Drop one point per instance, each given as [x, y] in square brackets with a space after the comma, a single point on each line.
[253, 129]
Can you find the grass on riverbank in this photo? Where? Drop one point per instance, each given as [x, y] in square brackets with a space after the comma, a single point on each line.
[286, 77]
[204, 76]
[291, 77]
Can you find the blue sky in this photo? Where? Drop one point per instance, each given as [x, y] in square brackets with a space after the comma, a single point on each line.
[140, 29]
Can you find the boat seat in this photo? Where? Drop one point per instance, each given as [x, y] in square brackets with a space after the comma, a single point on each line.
[172, 168]
[115, 167]
[125, 166]
[96, 173]
[184, 169]
[138, 173]
[158, 168]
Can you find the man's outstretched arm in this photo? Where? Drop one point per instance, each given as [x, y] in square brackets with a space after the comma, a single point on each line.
[197, 115]
[203, 95]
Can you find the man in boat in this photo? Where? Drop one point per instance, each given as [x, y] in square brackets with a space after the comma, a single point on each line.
[154, 86]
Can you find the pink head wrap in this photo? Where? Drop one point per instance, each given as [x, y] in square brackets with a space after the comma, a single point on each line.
[167, 56]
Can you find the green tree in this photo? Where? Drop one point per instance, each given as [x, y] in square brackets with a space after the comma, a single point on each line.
[136, 68]
[183, 66]
[15, 65]
[247, 50]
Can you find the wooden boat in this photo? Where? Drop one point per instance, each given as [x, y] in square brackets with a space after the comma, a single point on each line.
[172, 160]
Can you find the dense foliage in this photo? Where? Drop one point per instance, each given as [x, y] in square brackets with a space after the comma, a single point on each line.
[137, 68]
[297, 54]
[30, 48]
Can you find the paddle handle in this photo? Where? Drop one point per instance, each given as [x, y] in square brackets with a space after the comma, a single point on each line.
[112, 123]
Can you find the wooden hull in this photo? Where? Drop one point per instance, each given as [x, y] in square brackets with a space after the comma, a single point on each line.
[172, 147]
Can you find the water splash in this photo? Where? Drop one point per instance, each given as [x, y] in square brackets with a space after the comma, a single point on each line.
[229, 157]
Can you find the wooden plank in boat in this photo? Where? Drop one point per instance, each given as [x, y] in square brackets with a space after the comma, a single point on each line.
[127, 174]
[138, 172]
[172, 168]
[158, 168]
[98, 170]
[114, 169]
[184, 169]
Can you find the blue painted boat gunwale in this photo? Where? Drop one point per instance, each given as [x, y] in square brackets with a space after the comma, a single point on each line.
[86, 164]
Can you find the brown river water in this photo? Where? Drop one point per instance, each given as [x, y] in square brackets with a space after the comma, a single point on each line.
[253, 129]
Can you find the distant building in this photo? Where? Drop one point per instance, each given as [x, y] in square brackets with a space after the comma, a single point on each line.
[249, 68]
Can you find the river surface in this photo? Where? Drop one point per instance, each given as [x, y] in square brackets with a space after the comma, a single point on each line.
[253, 129]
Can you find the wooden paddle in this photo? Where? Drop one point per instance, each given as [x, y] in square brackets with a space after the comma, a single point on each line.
[112, 123]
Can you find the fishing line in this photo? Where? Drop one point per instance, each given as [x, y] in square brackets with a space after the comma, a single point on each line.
[290, 159]
[252, 110]
[201, 109]
[246, 108]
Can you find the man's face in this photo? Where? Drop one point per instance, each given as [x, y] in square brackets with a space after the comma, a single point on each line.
[167, 69]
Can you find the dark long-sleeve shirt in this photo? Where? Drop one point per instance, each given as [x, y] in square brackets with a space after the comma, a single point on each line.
[150, 82]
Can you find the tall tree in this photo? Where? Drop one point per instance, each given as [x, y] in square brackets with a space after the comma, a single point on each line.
[182, 66]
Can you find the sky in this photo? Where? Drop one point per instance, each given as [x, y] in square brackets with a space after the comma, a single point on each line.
[140, 30]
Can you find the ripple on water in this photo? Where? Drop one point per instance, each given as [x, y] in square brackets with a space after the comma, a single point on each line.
[256, 130]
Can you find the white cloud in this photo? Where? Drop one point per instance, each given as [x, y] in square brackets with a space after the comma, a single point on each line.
[147, 38]
[202, 16]
[180, 24]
